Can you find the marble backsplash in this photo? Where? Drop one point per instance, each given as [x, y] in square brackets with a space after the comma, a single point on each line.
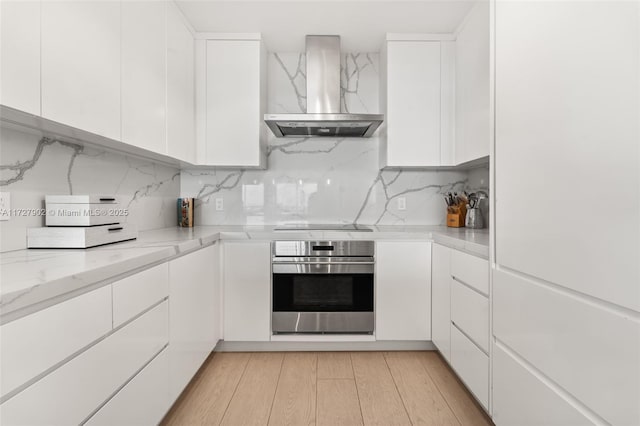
[314, 180]
[325, 180]
[32, 167]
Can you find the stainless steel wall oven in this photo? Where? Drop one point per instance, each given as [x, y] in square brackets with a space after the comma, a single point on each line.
[323, 287]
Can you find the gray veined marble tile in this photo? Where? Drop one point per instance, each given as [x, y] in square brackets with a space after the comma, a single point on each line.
[326, 180]
[32, 166]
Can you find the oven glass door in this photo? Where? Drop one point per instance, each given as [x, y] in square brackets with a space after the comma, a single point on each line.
[322, 292]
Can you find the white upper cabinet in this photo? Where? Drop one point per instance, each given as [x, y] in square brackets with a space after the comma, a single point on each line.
[234, 79]
[181, 121]
[144, 74]
[403, 290]
[418, 108]
[472, 121]
[81, 65]
[20, 55]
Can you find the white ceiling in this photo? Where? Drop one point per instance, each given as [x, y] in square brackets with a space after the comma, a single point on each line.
[361, 24]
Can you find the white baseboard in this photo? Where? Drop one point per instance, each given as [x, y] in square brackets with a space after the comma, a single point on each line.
[280, 346]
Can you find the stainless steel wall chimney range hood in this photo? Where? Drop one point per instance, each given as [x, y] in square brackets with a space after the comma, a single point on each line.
[323, 117]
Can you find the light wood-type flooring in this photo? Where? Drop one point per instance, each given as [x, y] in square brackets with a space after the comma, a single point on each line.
[326, 388]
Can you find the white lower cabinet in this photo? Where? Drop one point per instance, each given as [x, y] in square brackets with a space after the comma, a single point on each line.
[403, 290]
[194, 305]
[470, 270]
[441, 300]
[143, 401]
[521, 398]
[134, 294]
[120, 354]
[471, 364]
[461, 316]
[470, 312]
[71, 393]
[33, 344]
[247, 291]
[590, 351]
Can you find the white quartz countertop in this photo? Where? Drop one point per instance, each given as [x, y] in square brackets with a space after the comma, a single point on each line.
[36, 278]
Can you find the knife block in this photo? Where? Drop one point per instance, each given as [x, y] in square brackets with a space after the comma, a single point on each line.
[456, 216]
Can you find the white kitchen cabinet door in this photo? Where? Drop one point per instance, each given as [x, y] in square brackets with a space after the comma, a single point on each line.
[193, 309]
[144, 74]
[136, 293]
[470, 270]
[521, 398]
[247, 291]
[471, 364]
[31, 345]
[20, 55]
[72, 392]
[472, 86]
[403, 290]
[216, 254]
[447, 102]
[412, 104]
[181, 122]
[441, 299]
[470, 313]
[81, 43]
[566, 108]
[530, 318]
[235, 103]
[143, 401]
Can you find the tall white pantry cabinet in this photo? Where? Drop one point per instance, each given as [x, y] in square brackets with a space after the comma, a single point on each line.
[566, 293]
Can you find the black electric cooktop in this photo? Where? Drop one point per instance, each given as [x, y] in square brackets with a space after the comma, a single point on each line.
[349, 227]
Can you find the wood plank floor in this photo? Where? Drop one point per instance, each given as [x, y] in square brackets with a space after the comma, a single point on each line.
[326, 388]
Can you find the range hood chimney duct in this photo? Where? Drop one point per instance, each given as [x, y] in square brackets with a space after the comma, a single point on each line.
[323, 116]
[323, 74]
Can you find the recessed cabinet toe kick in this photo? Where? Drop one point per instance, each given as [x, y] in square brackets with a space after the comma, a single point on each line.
[323, 287]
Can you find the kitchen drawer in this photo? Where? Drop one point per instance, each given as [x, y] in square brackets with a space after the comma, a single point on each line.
[37, 342]
[138, 292]
[70, 394]
[520, 398]
[471, 270]
[470, 313]
[471, 364]
[143, 401]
